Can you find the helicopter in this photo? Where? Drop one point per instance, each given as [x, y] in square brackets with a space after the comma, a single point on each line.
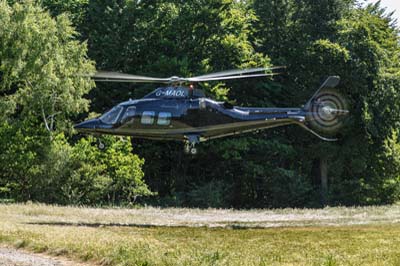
[180, 112]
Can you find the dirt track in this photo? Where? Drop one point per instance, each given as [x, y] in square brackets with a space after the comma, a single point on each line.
[13, 257]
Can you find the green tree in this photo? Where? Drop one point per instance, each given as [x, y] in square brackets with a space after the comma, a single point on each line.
[43, 69]
[274, 168]
[42, 65]
[356, 44]
[75, 9]
[165, 38]
[373, 45]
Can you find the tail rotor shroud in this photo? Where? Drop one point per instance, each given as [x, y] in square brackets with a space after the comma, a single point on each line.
[327, 111]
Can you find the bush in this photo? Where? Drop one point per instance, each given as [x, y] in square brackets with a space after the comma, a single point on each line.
[22, 150]
[96, 177]
[35, 168]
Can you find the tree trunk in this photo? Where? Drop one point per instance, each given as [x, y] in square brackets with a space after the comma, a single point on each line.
[323, 166]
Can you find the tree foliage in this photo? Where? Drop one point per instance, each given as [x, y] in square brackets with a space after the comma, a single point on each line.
[93, 176]
[354, 43]
[43, 69]
[42, 65]
[42, 93]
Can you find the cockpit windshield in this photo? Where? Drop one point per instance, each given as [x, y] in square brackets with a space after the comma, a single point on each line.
[111, 117]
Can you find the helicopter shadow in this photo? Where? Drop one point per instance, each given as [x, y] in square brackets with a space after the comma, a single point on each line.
[138, 225]
[104, 224]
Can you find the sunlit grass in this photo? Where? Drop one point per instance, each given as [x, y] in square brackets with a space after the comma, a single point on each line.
[86, 235]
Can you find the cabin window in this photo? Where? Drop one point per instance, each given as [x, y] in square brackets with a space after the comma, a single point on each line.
[147, 117]
[129, 114]
[111, 117]
[164, 119]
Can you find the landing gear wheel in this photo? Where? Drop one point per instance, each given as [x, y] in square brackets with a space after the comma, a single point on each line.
[101, 145]
[193, 151]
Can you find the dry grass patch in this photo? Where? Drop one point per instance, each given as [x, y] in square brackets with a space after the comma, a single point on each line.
[331, 236]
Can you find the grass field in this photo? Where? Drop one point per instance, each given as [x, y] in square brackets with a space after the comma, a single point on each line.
[151, 236]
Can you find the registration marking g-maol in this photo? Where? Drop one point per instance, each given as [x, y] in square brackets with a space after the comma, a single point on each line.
[171, 92]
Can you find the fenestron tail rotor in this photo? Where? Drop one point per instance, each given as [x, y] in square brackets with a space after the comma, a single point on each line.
[224, 75]
[327, 111]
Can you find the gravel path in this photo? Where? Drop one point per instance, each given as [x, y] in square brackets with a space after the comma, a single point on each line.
[12, 257]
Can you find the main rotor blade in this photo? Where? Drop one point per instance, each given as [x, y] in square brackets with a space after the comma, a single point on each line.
[235, 72]
[232, 77]
[121, 77]
[224, 75]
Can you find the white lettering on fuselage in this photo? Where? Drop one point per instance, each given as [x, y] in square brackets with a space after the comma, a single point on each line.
[171, 93]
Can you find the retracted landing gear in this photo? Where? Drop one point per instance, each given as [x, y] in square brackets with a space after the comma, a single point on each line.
[190, 144]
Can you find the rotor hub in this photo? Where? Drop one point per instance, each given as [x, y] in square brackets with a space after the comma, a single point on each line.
[176, 79]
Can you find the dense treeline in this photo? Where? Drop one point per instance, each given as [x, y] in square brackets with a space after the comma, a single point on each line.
[45, 46]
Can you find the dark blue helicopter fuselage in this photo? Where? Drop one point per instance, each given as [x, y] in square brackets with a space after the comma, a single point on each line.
[174, 114]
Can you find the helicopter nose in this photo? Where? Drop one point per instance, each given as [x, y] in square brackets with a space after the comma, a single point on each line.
[87, 126]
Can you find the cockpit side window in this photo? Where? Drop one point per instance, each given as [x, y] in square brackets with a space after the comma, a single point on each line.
[111, 117]
[147, 117]
[129, 114]
[164, 119]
